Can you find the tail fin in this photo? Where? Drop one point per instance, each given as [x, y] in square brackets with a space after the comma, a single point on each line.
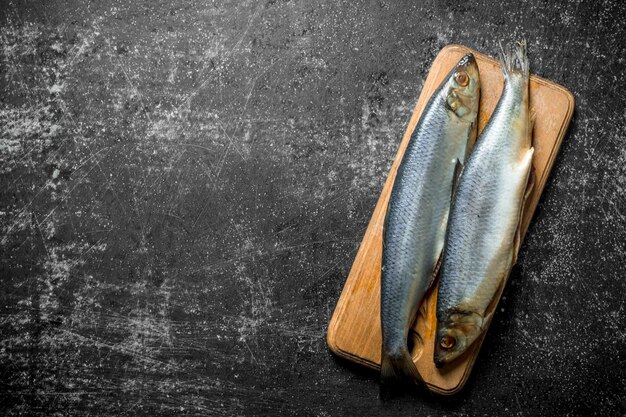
[514, 59]
[515, 65]
[396, 368]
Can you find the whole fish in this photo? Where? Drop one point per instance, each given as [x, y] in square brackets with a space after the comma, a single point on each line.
[483, 231]
[418, 209]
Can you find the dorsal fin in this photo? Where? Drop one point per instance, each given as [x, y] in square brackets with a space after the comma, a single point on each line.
[517, 241]
[458, 169]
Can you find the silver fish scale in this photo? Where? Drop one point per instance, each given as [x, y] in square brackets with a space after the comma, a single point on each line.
[485, 212]
[417, 214]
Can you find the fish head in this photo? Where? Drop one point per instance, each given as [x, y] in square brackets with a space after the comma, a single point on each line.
[455, 334]
[463, 89]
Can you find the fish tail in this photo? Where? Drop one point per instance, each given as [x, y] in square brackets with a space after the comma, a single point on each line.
[396, 367]
[514, 59]
[515, 64]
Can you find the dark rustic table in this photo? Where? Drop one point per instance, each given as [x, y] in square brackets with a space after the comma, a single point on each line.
[184, 186]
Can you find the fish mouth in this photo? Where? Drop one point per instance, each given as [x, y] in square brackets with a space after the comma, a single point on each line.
[440, 357]
[467, 61]
[439, 363]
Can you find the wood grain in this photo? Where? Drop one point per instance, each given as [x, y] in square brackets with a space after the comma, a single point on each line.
[354, 330]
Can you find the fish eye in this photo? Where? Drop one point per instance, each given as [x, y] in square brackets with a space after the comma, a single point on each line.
[462, 79]
[447, 342]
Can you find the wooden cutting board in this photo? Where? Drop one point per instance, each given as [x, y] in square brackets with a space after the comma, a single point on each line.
[354, 330]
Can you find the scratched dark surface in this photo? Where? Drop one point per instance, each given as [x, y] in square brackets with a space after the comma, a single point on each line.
[184, 185]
